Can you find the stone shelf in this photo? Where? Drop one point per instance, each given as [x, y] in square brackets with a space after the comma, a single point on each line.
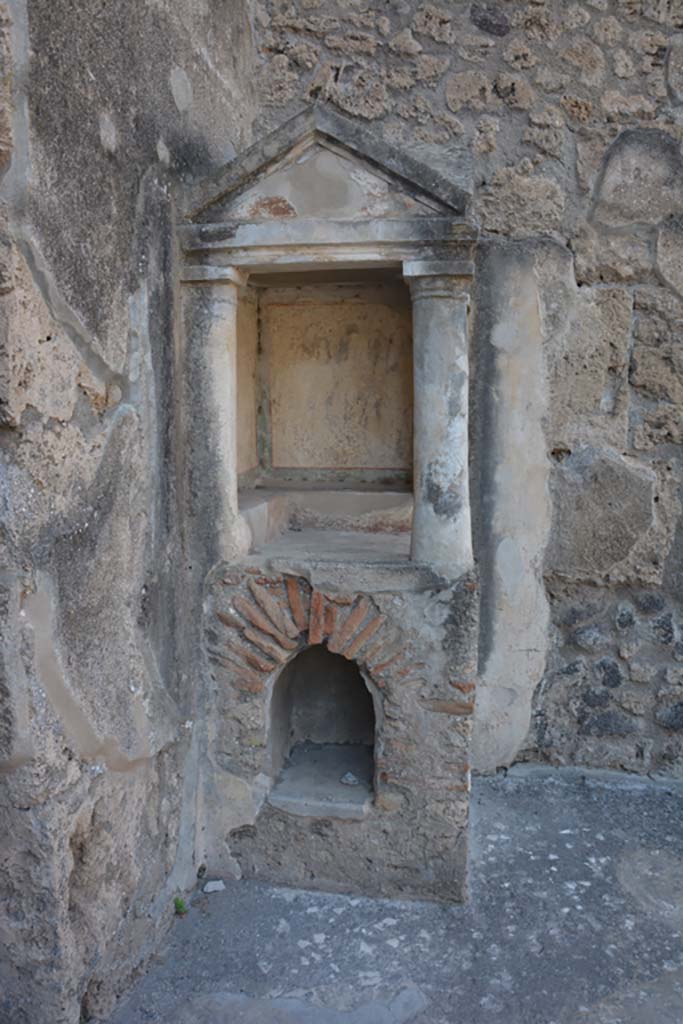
[310, 783]
[272, 514]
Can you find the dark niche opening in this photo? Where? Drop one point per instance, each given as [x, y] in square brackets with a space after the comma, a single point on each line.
[322, 734]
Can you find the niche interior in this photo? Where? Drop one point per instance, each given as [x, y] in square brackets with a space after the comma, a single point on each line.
[322, 735]
[325, 405]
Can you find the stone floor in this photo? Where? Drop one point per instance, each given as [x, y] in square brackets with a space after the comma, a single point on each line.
[575, 917]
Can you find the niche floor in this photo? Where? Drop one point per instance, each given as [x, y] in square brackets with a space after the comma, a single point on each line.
[310, 783]
[338, 546]
[328, 525]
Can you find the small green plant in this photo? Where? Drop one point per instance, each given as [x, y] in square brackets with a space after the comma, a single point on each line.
[180, 906]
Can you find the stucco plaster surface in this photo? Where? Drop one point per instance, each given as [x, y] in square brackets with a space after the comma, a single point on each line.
[512, 495]
[98, 753]
[338, 371]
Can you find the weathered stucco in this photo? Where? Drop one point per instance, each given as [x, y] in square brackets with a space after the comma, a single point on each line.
[247, 381]
[101, 106]
[337, 376]
[511, 495]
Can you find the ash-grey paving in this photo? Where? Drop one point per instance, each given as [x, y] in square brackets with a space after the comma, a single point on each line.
[575, 916]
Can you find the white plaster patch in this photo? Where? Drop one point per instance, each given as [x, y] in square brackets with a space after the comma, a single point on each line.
[163, 152]
[181, 88]
[108, 135]
[510, 567]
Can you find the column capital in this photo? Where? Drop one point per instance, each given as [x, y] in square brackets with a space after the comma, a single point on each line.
[446, 279]
[215, 275]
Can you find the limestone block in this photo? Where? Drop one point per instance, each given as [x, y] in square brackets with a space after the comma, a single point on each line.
[546, 131]
[404, 42]
[623, 108]
[521, 204]
[317, 25]
[666, 12]
[656, 377]
[538, 22]
[437, 127]
[657, 373]
[352, 43]
[402, 78]
[657, 366]
[591, 146]
[607, 31]
[514, 90]
[583, 54]
[434, 22]
[576, 16]
[577, 108]
[623, 64]
[550, 79]
[603, 506]
[661, 426]
[520, 55]
[304, 55]
[361, 92]
[469, 90]
[485, 136]
[476, 49]
[278, 81]
[674, 69]
[642, 179]
[429, 68]
[670, 253]
[587, 366]
[657, 359]
[602, 257]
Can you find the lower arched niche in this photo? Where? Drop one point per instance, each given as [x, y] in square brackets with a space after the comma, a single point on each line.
[321, 737]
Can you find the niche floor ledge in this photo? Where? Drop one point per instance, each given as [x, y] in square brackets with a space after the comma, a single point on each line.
[310, 783]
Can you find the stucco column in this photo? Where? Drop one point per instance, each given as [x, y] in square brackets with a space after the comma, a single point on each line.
[442, 533]
[213, 337]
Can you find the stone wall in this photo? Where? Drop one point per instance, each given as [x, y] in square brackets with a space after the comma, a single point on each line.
[569, 115]
[101, 105]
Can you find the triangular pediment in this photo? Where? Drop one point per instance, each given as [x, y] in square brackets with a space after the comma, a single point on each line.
[322, 183]
[323, 166]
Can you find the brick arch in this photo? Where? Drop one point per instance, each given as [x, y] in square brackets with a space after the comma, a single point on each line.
[258, 623]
